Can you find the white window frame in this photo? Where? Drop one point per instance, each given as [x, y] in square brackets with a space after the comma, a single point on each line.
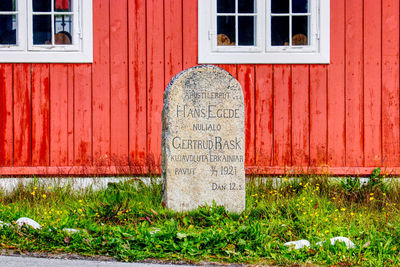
[318, 52]
[80, 51]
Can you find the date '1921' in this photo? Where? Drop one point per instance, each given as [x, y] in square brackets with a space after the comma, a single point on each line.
[228, 170]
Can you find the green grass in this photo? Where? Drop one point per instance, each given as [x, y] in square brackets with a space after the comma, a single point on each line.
[128, 221]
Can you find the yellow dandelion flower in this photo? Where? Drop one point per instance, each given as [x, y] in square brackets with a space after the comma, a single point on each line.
[33, 193]
[371, 194]
[342, 209]
[352, 214]
[49, 187]
[44, 196]
[327, 231]
[384, 194]
[371, 198]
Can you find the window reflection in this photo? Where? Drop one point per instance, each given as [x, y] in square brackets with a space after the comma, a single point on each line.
[7, 5]
[41, 29]
[63, 29]
[8, 29]
[41, 5]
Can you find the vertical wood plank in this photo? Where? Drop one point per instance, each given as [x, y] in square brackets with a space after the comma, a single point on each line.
[246, 79]
[336, 87]
[22, 115]
[390, 82]
[231, 68]
[101, 82]
[282, 116]
[6, 114]
[137, 81]
[300, 115]
[40, 115]
[318, 115]
[354, 84]
[71, 113]
[155, 76]
[264, 115]
[173, 38]
[189, 27]
[58, 118]
[119, 81]
[372, 83]
[83, 114]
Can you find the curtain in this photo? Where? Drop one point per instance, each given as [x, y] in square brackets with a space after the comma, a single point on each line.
[62, 5]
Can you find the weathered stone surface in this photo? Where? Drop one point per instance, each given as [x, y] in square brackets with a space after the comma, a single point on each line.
[2, 224]
[203, 140]
[299, 244]
[71, 230]
[348, 242]
[27, 221]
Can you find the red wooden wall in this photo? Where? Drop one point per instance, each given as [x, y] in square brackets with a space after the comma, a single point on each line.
[104, 118]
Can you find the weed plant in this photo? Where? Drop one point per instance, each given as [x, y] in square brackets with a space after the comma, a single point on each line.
[130, 222]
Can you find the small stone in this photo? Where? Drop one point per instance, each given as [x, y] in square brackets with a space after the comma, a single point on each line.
[27, 221]
[348, 242]
[71, 231]
[299, 244]
[155, 230]
[2, 224]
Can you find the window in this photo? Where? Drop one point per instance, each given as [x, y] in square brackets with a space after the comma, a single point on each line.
[46, 31]
[264, 31]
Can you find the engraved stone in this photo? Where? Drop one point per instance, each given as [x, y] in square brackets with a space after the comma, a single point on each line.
[203, 141]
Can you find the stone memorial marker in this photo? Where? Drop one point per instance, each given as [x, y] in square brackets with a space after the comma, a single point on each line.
[203, 140]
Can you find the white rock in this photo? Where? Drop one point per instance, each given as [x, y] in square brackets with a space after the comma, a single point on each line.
[155, 230]
[26, 221]
[348, 242]
[299, 244]
[71, 231]
[2, 224]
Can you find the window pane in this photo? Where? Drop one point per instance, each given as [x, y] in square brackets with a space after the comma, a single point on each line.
[280, 31]
[63, 30]
[280, 6]
[226, 6]
[41, 29]
[41, 5]
[299, 6]
[226, 30]
[7, 5]
[62, 5]
[246, 6]
[246, 30]
[300, 30]
[8, 29]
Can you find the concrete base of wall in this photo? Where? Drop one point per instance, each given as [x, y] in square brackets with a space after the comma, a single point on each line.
[98, 183]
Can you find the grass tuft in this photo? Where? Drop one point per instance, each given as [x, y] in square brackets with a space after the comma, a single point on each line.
[128, 221]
